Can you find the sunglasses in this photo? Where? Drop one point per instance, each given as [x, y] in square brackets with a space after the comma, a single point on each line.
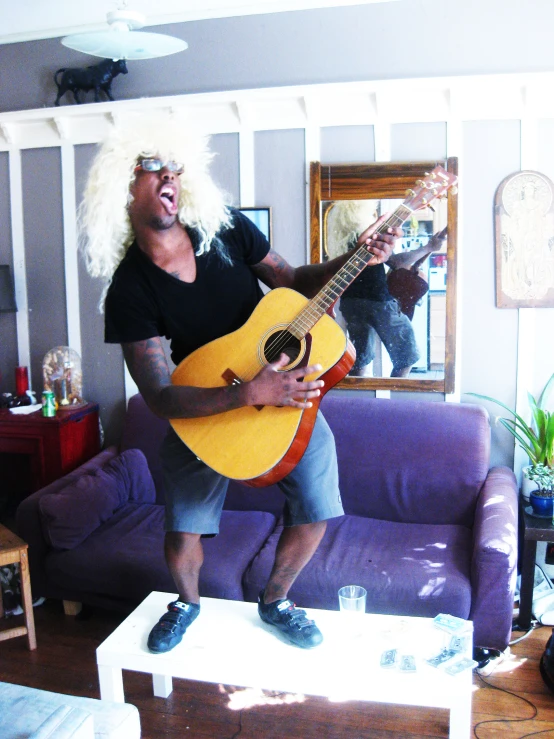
[154, 165]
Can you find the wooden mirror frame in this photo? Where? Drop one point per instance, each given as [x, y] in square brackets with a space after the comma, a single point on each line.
[384, 181]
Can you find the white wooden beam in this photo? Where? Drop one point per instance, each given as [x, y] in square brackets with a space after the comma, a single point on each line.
[382, 138]
[247, 177]
[19, 267]
[70, 247]
[454, 146]
[527, 317]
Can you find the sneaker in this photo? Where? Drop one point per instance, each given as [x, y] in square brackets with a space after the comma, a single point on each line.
[291, 621]
[169, 630]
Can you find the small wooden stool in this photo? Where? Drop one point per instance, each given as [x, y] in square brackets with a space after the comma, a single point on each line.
[12, 550]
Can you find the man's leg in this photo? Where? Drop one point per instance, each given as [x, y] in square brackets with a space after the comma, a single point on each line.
[194, 497]
[401, 371]
[360, 331]
[296, 546]
[397, 334]
[313, 497]
[184, 556]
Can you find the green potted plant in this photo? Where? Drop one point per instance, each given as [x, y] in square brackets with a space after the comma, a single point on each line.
[537, 440]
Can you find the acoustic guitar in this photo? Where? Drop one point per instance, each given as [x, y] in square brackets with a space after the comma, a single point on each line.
[261, 445]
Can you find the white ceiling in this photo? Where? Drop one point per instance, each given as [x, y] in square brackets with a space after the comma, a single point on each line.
[26, 20]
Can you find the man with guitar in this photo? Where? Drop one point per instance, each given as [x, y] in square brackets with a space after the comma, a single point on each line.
[182, 264]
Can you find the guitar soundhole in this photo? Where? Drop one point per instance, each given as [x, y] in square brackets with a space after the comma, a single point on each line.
[279, 342]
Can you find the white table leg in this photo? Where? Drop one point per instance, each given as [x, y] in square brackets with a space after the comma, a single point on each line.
[111, 683]
[163, 685]
[460, 718]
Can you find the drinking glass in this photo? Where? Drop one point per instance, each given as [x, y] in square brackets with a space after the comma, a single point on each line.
[352, 603]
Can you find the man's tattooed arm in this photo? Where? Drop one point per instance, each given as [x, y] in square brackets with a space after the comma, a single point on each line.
[274, 271]
[147, 364]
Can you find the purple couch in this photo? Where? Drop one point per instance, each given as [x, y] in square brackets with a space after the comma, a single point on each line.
[429, 528]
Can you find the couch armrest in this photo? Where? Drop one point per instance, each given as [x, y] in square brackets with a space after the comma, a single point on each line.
[28, 517]
[494, 560]
[66, 722]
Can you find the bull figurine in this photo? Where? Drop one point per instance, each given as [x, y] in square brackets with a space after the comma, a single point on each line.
[96, 77]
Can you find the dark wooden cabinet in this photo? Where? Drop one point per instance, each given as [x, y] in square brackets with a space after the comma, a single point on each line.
[52, 447]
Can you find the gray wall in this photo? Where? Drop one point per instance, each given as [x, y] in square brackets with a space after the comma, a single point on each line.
[409, 38]
[8, 336]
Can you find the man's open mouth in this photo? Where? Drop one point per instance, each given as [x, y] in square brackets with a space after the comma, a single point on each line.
[168, 197]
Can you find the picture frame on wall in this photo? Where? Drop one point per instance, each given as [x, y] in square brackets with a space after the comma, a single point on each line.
[261, 217]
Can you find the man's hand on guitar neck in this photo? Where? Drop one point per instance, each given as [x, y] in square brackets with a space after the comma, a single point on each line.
[275, 388]
[381, 245]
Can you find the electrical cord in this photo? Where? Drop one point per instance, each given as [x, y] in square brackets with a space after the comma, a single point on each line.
[534, 626]
[507, 720]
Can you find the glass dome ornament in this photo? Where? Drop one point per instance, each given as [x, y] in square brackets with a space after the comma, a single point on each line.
[62, 374]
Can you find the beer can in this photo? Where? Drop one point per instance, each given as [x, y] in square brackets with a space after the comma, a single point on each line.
[48, 404]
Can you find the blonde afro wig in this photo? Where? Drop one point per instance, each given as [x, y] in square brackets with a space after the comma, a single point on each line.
[346, 219]
[104, 224]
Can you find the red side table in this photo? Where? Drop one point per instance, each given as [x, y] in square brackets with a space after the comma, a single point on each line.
[55, 446]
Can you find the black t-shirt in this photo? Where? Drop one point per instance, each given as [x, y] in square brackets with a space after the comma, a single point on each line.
[371, 284]
[144, 301]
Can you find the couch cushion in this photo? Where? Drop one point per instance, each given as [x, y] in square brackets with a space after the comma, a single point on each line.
[65, 722]
[74, 512]
[128, 556]
[435, 463]
[23, 709]
[413, 570]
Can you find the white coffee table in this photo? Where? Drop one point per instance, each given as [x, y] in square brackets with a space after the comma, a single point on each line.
[229, 644]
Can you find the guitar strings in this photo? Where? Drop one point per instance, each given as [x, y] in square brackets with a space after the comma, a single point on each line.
[321, 303]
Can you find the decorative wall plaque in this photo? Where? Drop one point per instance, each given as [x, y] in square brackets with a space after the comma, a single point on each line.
[524, 235]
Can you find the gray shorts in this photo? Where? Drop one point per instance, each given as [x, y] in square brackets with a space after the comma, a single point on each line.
[194, 493]
[366, 317]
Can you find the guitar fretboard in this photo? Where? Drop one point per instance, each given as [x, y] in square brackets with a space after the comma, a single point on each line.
[332, 291]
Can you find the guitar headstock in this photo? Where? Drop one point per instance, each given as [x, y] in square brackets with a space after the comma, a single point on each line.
[434, 185]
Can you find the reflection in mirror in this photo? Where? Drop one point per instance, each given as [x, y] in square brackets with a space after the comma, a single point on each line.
[400, 317]
[394, 315]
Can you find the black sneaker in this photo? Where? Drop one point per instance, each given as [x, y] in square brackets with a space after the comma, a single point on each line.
[169, 630]
[291, 621]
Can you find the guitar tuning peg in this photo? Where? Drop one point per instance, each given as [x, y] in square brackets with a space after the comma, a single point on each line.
[427, 174]
[454, 190]
[421, 183]
[409, 192]
[424, 201]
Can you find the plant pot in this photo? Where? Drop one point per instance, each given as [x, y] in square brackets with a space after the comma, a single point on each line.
[541, 507]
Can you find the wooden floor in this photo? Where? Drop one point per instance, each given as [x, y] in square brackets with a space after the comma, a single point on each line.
[511, 702]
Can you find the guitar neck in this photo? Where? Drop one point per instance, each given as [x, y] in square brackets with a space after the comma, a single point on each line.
[331, 292]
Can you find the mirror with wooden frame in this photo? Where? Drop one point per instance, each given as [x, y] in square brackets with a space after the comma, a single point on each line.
[401, 318]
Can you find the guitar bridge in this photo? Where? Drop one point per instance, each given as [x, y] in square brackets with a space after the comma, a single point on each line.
[231, 378]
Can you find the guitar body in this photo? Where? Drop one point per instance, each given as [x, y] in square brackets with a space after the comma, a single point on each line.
[260, 445]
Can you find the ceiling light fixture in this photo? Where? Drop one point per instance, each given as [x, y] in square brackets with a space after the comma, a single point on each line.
[121, 41]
